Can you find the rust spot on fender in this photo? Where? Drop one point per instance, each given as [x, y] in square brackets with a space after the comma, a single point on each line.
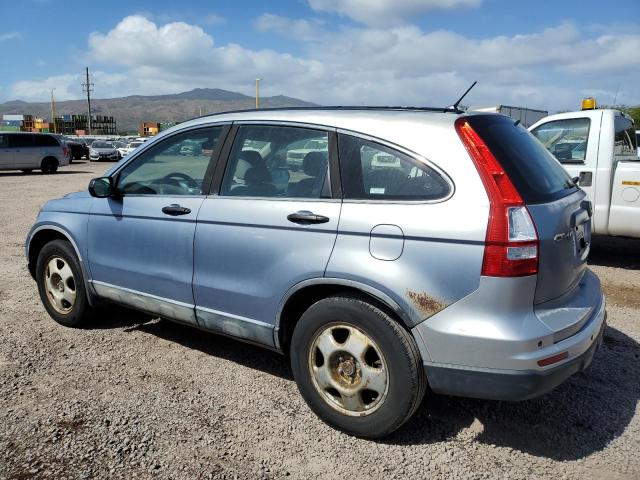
[425, 303]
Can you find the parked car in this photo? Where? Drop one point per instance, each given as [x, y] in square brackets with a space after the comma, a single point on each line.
[127, 148]
[77, 148]
[30, 151]
[598, 148]
[464, 269]
[296, 155]
[101, 150]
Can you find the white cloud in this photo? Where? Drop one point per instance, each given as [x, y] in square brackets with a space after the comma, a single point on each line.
[5, 37]
[386, 12]
[401, 65]
[213, 19]
[299, 29]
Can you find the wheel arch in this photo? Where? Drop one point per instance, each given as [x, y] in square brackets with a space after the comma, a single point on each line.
[46, 233]
[306, 293]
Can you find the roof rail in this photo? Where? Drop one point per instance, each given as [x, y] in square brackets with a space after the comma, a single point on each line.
[450, 109]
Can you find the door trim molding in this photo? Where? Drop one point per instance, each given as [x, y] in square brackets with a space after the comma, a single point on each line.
[164, 307]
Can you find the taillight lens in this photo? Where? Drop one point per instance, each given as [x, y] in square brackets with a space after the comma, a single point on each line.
[65, 151]
[511, 244]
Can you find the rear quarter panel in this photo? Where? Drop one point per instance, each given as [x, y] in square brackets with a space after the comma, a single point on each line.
[442, 250]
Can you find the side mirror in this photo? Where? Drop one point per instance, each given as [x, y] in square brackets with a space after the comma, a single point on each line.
[101, 187]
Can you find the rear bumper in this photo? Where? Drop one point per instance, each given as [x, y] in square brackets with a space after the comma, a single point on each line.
[510, 384]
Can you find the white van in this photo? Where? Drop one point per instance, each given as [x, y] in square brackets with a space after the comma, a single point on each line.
[31, 151]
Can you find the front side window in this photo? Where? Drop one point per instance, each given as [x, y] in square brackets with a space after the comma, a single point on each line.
[565, 139]
[277, 161]
[624, 140]
[373, 171]
[175, 166]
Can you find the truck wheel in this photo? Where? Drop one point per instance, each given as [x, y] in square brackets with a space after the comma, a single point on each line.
[49, 165]
[61, 284]
[356, 367]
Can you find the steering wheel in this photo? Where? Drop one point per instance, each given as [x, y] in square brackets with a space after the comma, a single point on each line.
[178, 176]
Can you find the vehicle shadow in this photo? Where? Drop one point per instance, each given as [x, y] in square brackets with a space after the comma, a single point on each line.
[39, 173]
[227, 348]
[619, 252]
[580, 417]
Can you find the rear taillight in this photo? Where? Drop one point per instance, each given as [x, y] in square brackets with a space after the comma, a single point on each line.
[511, 244]
[65, 151]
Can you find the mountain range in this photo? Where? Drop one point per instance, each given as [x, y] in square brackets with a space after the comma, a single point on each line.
[130, 111]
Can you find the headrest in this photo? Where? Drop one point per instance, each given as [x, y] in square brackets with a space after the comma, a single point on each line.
[258, 174]
[315, 163]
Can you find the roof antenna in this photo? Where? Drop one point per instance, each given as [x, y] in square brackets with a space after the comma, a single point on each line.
[454, 107]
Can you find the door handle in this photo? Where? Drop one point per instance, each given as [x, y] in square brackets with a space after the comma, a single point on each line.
[174, 210]
[305, 217]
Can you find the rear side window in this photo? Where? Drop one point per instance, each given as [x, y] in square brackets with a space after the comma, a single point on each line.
[536, 174]
[374, 171]
[279, 162]
[565, 139]
[625, 137]
[21, 140]
[45, 141]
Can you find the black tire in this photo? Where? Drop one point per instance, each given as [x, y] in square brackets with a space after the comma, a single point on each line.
[81, 311]
[406, 378]
[49, 165]
[27, 170]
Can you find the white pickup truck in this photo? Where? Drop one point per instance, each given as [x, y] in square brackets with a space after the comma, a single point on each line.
[598, 147]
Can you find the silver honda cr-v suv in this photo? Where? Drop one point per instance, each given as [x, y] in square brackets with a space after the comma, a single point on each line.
[409, 248]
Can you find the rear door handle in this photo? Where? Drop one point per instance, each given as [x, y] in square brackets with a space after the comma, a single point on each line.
[305, 217]
[175, 210]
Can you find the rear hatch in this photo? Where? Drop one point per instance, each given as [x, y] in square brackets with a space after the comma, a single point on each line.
[561, 213]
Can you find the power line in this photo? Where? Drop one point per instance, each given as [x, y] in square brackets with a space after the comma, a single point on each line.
[88, 88]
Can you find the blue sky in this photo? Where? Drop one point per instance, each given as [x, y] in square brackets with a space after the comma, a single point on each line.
[543, 54]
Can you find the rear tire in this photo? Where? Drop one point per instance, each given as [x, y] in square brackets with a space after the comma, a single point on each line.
[61, 284]
[49, 165]
[369, 393]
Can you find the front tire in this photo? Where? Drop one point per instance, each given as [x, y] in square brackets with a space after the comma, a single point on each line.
[356, 367]
[49, 165]
[61, 284]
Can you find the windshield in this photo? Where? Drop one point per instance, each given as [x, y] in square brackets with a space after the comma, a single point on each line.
[99, 144]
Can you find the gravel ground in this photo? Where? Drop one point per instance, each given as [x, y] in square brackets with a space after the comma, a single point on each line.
[139, 398]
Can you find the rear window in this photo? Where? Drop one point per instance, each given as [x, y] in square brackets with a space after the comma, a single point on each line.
[625, 137]
[536, 174]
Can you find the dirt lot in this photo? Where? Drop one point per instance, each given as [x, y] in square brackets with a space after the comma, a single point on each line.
[136, 399]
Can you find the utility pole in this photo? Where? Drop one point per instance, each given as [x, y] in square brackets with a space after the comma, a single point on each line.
[53, 111]
[258, 92]
[88, 87]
